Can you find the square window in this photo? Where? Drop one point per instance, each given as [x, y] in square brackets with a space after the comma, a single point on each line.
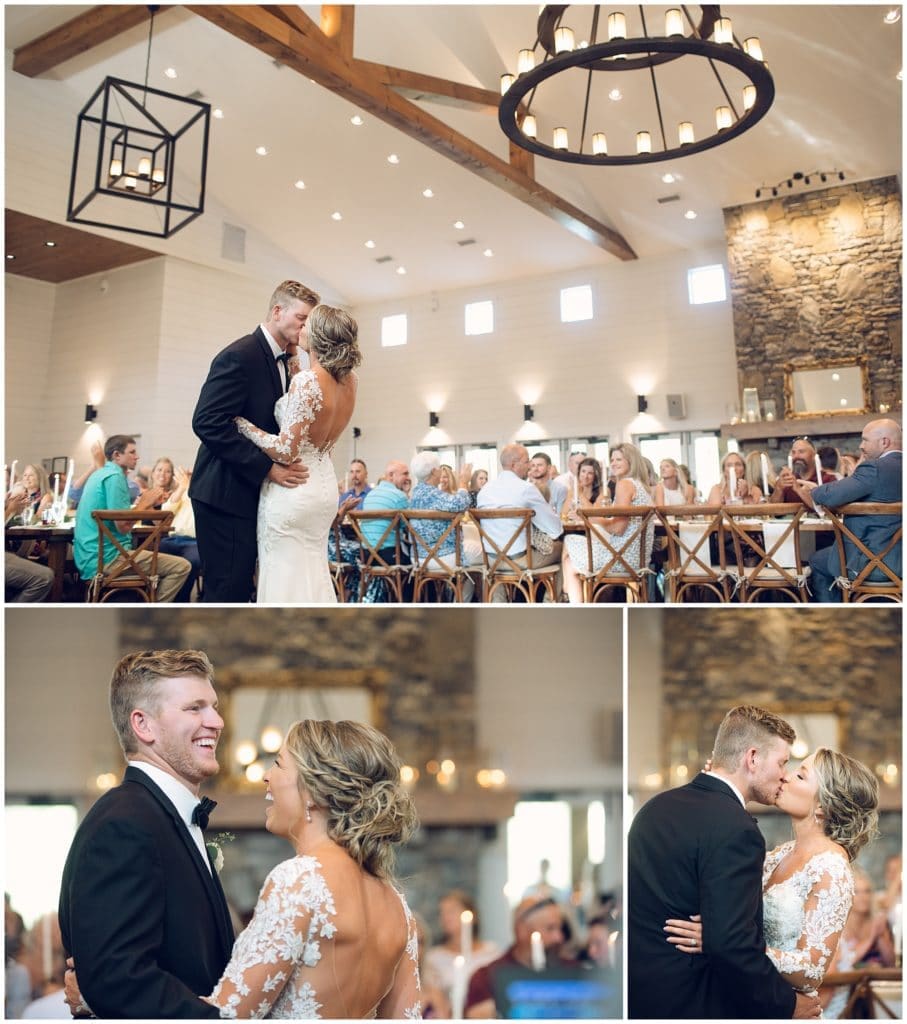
[706, 284]
[576, 304]
[479, 317]
[393, 330]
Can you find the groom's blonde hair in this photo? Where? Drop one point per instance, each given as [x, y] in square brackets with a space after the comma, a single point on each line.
[135, 685]
[743, 727]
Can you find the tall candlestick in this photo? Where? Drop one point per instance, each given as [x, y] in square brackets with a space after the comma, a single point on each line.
[537, 950]
[12, 473]
[818, 469]
[458, 988]
[65, 502]
[763, 460]
[47, 961]
[731, 483]
[466, 934]
[790, 463]
[576, 490]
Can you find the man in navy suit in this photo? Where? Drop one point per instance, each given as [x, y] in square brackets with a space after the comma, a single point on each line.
[877, 478]
[245, 379]
[696, 850]
[141, 909]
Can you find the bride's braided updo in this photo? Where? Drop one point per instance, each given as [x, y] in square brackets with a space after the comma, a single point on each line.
[333, 340]
[352, 772]
[849, 798]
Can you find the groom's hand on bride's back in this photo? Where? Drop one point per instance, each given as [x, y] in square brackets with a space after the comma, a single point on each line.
[72, 996]
[806, 1007]
[288, 476]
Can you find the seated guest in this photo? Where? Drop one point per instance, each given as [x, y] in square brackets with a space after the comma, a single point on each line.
[391, 492]
[440, 965]
[359, 487]
[755, 476]
[181, 539]
[476, 482]
[552, 491]
[745, 493]
[877, 479]
[568, 479]
[511, 489]
[447, 482]
[848, 464]
[598, 942]
[531, 915]
[106, 489]
[37, 487]
[673, 487]
[427, 496]
[830, 460]
[801, 466]
[629, 471]
[590, 491]
[78, 484]
[26, 581]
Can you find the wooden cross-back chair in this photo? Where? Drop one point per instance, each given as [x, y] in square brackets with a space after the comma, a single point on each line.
[124, 573]
[620, 567]
[693, 534]
[372, 564]
[508, 564]
[876, 579]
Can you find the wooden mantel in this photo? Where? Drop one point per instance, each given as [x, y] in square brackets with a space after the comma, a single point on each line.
[809, 426]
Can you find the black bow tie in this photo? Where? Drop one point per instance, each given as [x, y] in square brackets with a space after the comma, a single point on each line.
[201, 812]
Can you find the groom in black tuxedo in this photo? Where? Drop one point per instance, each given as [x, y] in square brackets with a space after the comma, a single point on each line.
[141, 909]
[245, 379]
[696, 850]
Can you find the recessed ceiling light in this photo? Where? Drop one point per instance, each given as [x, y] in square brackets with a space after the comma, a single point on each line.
[218, 113]
[300, 184]
[667, 178]
[900, 75]
[261, 150]
[893, 16]
[401, 270]
[459, 225]
[336, 215]
[356, 120]
[370, 244]
[488, 252]
[50, 245]
[615, 94]
[393, 159]
[170, 72]
[427, 192]
[690, 215]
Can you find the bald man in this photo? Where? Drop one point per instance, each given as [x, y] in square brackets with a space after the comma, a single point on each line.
[391, 492]
[877, 478]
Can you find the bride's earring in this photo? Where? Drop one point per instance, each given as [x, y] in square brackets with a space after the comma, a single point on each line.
[308, 812]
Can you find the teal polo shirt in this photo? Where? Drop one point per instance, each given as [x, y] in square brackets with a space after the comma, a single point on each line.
[105, 488]
[384, 495]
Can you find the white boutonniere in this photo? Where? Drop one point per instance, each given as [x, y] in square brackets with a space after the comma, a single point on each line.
[215, 849]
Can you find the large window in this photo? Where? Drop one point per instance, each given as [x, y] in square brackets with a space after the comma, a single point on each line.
[393, 330]
[480, 317]
[480, 456]
[576, 303]
[706, 284]
[697, 450]
[38, 838]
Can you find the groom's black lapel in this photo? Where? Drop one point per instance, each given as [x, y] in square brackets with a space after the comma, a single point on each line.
[273, 370]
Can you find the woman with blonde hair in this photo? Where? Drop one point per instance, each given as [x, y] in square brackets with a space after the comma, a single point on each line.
[807, 883]
[628, 469]
[745, 493]
[181, 539]
[673, 488]
[330, 936]
[448, 482]
[294, 522]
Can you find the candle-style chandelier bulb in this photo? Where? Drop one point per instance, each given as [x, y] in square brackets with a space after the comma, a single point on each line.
[643, 142]
[749, 96]
[157, 175]
[724, 32]
[723, 118]
[560, 139]
[685, 133]
[525, 62]
[530, 128]
[144, 167]
[753, 48]
[506, 81]
[617, 25]
[673, 22]
[599, 144]
[130, 181]
[116, 168]
[564, 41]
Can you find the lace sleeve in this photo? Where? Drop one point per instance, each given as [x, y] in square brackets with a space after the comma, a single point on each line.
[303, 403]
[825, 911]
[292, 913]
[404, 1001]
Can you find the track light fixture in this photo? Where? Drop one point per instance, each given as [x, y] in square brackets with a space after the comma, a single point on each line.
[797, 178]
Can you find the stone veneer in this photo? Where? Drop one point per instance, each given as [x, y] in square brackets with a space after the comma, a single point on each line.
[777, 657]
[817, 276]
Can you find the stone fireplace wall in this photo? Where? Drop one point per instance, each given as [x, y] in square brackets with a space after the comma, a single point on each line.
[818, 276]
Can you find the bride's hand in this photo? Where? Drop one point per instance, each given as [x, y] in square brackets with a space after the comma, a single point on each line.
[685, 935]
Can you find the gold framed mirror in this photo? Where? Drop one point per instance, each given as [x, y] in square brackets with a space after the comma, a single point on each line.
[826, 388]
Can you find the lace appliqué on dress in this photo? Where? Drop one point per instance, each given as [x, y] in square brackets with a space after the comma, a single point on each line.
[293, 912]
[413, 1012]
[295, 412]
[805, 914]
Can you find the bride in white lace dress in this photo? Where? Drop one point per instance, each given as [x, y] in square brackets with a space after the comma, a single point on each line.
[330, 936]
[293, 523]
[807, 883]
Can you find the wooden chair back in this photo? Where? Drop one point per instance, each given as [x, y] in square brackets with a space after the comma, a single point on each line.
[124, 572]
[620, 568]
[372, 564]
[857, 585]
[767, 552]
[692, 531]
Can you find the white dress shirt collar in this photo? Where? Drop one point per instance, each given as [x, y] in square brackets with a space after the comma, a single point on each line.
[729, 784]
[182, 798]
[272, 344]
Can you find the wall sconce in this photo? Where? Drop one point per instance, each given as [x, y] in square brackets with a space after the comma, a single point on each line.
[642, 403]
[433, 419]
[357, 433]
[528, 413]
[91, 413]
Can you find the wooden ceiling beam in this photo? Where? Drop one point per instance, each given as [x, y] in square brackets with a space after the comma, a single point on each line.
[298, 46]
[76, 36]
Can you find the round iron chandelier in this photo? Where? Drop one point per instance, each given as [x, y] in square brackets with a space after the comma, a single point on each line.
[711, 44]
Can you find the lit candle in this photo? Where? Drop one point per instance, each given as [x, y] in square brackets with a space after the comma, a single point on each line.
[763, 459]
[12, 473]
[458, 988]
[47, 960]
[575, 488]
[537, 952]
[466, 933]
[790, 463]
[818, 469]
[65, 502]
[731, 483]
